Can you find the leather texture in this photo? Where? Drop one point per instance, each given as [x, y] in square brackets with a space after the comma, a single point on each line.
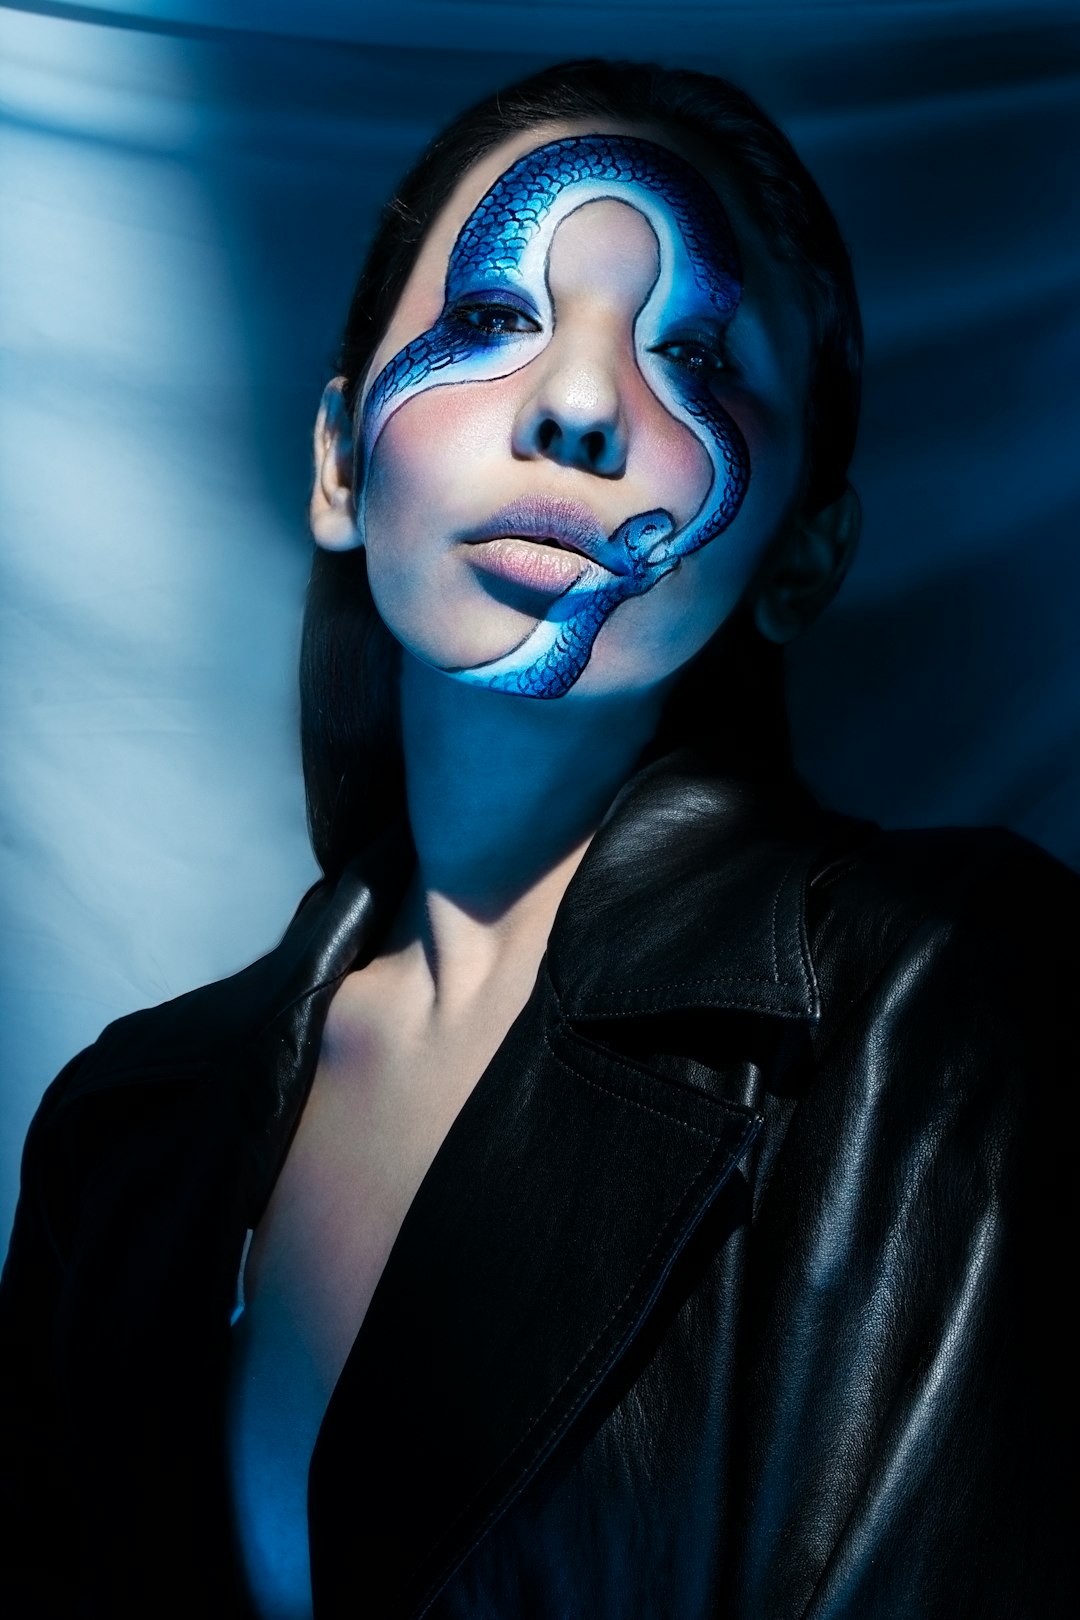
[735, 1289]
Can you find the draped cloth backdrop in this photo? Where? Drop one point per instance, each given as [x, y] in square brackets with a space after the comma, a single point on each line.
[185, 192]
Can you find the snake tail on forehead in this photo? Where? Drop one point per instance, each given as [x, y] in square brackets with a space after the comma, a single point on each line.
[502, 249]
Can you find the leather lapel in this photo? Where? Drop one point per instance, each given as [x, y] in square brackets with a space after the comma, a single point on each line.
[532, 1255]
[540, 1239]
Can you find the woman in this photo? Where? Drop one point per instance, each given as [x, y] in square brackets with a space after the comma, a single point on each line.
[616, 1194]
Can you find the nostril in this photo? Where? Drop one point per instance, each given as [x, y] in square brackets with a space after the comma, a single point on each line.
[548, 432]
[594, 447]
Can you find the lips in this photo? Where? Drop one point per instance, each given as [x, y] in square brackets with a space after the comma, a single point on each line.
[552, 521]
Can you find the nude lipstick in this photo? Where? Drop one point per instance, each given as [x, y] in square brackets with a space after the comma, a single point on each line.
[542, 542]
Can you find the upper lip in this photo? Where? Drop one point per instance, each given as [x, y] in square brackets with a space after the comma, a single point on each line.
[550, 518]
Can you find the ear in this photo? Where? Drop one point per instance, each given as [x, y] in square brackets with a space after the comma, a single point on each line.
[808, 569]
[333, 510]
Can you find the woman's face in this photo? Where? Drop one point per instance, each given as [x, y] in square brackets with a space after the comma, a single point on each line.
[583, 427]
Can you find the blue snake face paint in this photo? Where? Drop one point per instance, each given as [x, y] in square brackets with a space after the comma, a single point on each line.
[501, 257]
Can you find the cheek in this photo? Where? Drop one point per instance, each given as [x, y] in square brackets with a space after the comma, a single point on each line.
[709, 584]
[775, 441]
[406, 467]
[426, 460]
[652, 634]
[668, 465]
[437, 469]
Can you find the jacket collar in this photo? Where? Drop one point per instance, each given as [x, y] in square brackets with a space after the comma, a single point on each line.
[692, 894]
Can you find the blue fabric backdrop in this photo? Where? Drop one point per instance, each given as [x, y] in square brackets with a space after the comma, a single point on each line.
[185, 193]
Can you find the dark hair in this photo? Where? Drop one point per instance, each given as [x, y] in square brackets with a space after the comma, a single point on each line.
[349, 660]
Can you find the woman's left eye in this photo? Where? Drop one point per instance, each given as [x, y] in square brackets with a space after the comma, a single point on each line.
[700, 358]
[494, 320]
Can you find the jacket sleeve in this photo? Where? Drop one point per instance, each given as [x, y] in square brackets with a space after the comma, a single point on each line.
[910, 1423]
[33, 1562]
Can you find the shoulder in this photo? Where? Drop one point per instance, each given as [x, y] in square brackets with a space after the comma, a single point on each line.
[254, 1027]
[192, 1032]
[945, 924]
[151, 1070]
[889, 883]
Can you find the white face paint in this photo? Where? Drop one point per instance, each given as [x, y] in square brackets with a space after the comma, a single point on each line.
[498, 316]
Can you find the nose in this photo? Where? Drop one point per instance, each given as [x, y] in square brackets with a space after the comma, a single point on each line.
[574, 414]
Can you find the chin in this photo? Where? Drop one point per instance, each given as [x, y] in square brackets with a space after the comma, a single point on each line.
[467, 648]
[463, 631]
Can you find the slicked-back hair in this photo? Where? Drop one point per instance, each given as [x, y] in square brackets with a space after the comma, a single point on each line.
[729, 700]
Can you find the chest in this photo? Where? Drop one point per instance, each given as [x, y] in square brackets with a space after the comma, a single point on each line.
[377, 1113]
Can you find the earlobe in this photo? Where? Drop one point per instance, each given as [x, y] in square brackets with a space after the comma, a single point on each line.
[809, 570]
[333, 517]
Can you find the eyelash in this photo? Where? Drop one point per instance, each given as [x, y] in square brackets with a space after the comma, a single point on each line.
[463, 313]
[714, 358]
[473, 315]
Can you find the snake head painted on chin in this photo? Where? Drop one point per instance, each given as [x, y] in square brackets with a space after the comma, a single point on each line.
[503, 248]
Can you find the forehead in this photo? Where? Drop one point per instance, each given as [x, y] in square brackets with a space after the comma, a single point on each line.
[509, 233]
[473, 187]
[482, 175]
[771, 295]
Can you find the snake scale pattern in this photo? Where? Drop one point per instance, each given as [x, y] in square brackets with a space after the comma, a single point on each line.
[503, 247]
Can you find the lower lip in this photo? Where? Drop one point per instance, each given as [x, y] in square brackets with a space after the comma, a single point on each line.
[528, 562]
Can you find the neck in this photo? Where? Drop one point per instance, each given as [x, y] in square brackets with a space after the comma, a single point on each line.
[504, 794]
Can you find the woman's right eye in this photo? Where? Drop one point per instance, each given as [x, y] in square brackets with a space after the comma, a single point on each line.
[494, 320]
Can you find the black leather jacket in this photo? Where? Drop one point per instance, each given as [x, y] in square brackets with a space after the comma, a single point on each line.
[733, 1291]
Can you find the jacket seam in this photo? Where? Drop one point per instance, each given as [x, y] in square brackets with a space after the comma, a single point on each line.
[772, 921]
[713, 978]
[806, 962]
[801, 1012]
